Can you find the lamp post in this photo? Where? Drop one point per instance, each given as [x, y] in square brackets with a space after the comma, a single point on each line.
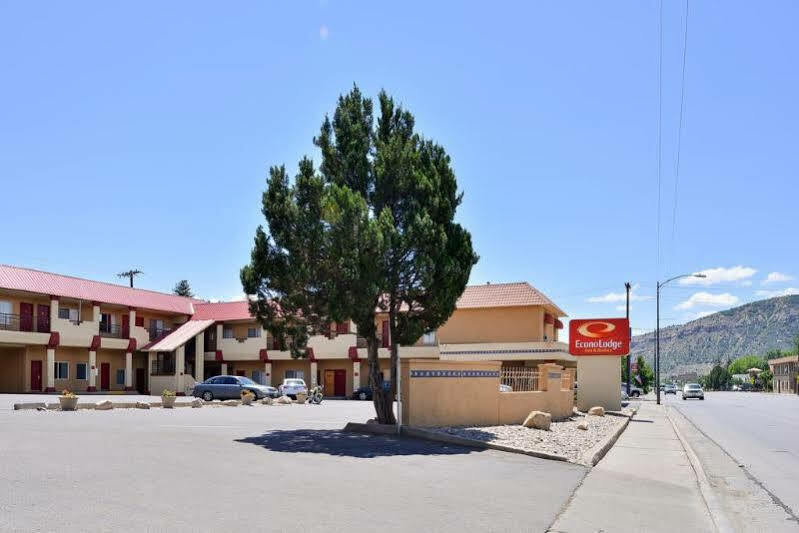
[657, 327]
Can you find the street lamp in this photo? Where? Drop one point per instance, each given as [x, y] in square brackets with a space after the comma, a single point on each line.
[657, 328]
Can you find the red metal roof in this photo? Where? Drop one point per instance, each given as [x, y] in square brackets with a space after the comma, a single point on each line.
[222, 311]
[29, 280]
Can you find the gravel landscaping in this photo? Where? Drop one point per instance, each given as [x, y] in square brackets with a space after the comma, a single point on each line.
[563, 437]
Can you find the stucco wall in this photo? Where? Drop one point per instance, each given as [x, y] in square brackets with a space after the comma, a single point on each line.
[599, 380]
[279, 370]
[450, 401]
[501, 324]
[515, 406]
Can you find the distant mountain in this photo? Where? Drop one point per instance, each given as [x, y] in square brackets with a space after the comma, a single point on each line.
[751, 329]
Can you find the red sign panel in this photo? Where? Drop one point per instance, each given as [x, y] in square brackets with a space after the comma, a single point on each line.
[599, 336]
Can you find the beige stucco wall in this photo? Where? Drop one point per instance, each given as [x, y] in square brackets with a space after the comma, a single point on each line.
[336, 364]
[599, 380]
[501, 324]
[449, 401]
[116, 361]
[279, 370]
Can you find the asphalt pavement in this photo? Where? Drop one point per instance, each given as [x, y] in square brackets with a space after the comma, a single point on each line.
[759, 431]
[259, 468]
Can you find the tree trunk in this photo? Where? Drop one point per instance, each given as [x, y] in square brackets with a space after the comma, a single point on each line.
[384, 407]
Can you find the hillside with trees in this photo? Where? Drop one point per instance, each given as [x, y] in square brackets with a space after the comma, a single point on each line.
[756, 328]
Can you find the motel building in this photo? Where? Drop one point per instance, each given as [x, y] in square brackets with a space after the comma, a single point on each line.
[60, 332]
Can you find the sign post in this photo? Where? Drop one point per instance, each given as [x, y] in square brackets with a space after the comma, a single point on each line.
[598, 343]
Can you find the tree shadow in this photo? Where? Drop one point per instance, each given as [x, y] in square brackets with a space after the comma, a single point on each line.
[348, 444]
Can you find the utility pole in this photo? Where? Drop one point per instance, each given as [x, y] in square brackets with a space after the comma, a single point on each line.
[130, 274]
[629, 364]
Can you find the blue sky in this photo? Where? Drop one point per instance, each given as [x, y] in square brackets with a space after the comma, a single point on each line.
[140, 136]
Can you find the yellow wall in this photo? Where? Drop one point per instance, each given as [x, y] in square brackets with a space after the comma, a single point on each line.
[279, 370]
[499, 324]
[336, 364]
[116, 359]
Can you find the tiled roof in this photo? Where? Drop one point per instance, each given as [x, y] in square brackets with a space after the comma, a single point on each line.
[29, 280]
[222, 311]
[178, 337]
[504, 295]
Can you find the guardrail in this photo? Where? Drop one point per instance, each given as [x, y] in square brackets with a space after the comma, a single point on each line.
[9, 322]
[110, 330]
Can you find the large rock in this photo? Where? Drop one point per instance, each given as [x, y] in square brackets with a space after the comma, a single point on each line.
[104, 406]
[267, 401]
[142, 405]
[283, 400]
[597, 410]
[538, 420]
[196, 403]
[231, 403]
[583, 425]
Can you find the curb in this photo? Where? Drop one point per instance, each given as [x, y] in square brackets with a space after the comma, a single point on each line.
[55, 406]
[595, 454]
[705, 488]
[435, 436]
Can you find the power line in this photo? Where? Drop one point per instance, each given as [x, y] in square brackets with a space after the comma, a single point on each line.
[660, 127]
[679, 132]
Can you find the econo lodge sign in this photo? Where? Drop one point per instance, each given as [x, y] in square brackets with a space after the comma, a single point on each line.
[599, 336]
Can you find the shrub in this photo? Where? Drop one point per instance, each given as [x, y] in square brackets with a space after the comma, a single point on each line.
[167, 392]
[68, 393]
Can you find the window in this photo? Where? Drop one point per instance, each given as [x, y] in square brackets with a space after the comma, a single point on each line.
[5, 313]
[81, 370]
[227, 332]
[61, 370]
[121, 376]
[259, 377]
[164, 364]
[429, 338]
[253, 332]
[295, 374]
[68, 313]
[229, 380]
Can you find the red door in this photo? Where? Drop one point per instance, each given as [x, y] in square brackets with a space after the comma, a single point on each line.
[125, 326]
[386, 333]
[340, 383]
[25, 317]
[36, 375]
[43, 318]
[105, 376]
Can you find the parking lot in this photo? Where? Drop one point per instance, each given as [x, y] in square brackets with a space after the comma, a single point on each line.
[286, 468]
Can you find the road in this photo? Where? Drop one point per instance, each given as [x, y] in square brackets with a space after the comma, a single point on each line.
[760, 431]
[258, 468]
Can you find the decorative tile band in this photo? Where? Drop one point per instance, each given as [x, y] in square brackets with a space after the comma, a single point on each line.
[532, 350]
[454, 373]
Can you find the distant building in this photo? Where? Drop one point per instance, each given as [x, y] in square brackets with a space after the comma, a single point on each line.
[784, 370]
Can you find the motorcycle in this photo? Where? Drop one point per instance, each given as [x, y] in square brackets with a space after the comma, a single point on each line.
[315, 395]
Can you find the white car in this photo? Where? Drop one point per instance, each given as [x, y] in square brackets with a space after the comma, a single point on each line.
[292, 386]
[693, 390]
[624, 396]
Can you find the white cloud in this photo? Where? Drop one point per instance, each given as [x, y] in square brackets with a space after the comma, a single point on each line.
[613, 297]
[780, 292]
[720, 275]
[705, 298]
[701, 314]
[641, 331]
[776, 277]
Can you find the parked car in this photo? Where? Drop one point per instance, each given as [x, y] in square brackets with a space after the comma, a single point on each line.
[635, 391]
[292, 386]
[365, 393]
[693, 390]
[670, 388]
[230, 387]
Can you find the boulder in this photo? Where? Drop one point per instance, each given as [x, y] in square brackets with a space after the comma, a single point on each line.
[597, 410]
[196, 403]
[538, 420]
[142, 405]
[283, 400]
[231, 403]
[583, 425]
[267, 401]
[104, 405]
[40, 408]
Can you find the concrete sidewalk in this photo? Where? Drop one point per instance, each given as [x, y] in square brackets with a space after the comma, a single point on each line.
[645, 483]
